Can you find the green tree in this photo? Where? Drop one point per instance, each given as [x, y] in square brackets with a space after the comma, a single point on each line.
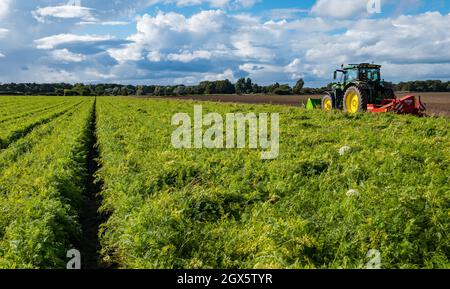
[140, 90]
[256, 88]
[248, 86]
[99, 89]
[240, 86]
[284, 89]
[299, 86]
[116, 91]
[81, 89]
[179, 90]
[273, 87]
[224, 87]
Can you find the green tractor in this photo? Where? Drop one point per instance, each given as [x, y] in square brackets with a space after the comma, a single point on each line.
[359, 85]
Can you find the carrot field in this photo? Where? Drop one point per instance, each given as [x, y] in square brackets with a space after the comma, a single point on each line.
[343, 186]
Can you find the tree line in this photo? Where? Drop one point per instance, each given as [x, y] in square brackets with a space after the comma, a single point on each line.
[424, 86]
[242, 86]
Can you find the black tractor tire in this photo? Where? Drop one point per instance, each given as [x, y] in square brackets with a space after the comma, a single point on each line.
[328, 102]
[338, 96]
[389, 93]
[362, 99]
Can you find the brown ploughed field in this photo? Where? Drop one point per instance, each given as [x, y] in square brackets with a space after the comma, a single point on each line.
[438, 103]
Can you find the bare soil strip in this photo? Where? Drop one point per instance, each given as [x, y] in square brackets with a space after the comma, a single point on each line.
[90, 218]
[437, 103]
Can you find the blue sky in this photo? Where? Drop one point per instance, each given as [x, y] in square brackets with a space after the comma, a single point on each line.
[187, 41]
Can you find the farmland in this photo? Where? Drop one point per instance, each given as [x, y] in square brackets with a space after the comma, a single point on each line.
[438, 103]
[221, 208]
[41, 183]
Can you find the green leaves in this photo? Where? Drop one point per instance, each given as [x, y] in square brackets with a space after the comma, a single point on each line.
[42, 180]
[312, 207]
[228, 209]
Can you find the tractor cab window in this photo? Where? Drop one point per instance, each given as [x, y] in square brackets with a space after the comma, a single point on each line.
[350, 75]
[341, 77]
[369, 74]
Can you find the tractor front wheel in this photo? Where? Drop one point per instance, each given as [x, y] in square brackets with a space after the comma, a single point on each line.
[355, 100]
[327, 103]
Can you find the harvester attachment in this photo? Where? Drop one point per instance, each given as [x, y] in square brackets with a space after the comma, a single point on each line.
[407, 105]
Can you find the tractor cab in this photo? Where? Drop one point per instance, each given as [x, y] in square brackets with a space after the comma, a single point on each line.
[358, 72]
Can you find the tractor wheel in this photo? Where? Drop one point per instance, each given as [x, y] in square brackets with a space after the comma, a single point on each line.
[327, 103]
[389, 93]
[355, 100]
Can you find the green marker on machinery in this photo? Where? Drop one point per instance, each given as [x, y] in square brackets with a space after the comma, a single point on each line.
[313, 104]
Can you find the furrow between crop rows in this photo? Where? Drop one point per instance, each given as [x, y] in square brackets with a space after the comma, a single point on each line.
[90, 217]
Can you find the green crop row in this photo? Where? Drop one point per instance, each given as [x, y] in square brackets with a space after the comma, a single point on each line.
[42, 177]
[226, 208]
[13, 130]
[15, 117]
[13, 105]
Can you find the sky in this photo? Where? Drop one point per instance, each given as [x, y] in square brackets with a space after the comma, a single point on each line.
[187, 41]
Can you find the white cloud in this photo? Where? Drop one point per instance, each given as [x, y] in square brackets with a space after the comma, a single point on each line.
[131, 52]
[64, 11]
[291, 71]
[93, 74]
[215, 3]
[307, 25]
[400, 40]
[166, 47]
[4, 8]
[227, 74]
[224, 36]
[67, 56]
[340, 8]
[417, 71]
[354, 9]
[247, 50]
[104, 23]
[51, 42]
[166, 30]
[395, 43]
[3, 32]
[42, 73]
[154, 56]
[2, 55]
[196, 77]
[283, 50]
[189, 56]
[247, 3]
[45, 74]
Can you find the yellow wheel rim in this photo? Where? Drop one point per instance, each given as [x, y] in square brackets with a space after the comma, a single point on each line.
[352, 102]
[327, 105]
